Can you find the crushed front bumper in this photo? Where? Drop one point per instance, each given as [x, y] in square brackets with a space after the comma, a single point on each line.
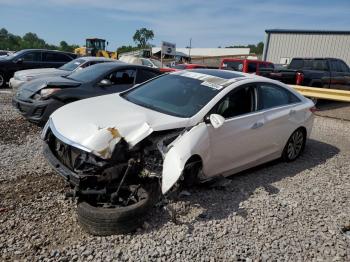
[36, 111]
[71, 177]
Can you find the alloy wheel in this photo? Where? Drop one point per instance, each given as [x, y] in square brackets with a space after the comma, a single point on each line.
[295, 144]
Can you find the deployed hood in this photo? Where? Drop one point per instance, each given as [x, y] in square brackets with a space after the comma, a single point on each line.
[37, 84]
[98, 124]
[40, 72]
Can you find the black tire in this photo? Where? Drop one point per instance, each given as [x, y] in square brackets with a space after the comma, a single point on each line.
[2, 80]
[191, 171]
[102, 221]
[295, 145]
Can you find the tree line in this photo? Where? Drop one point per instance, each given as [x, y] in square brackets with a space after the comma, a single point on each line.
[13, 42]
[255, 49]
[141, 38]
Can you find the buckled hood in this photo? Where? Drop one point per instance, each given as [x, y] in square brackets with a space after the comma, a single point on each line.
[98, 124]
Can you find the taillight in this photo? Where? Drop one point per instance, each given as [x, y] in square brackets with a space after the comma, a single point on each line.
[299, 78]
[313, 109]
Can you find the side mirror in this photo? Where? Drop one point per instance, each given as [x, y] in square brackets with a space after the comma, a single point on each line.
[19, 61]
[105, 82]
[215, 120]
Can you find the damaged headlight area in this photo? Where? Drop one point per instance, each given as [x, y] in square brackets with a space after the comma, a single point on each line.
[107, 180]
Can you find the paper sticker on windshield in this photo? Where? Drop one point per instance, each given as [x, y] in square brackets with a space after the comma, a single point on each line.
[211, 85]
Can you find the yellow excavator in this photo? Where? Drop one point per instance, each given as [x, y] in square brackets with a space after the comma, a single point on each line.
[95, 47]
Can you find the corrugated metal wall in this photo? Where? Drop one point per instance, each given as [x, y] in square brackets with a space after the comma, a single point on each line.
[289, 45]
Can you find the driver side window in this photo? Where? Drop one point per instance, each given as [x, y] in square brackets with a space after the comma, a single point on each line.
[239, 101]
[122, 77]
[32, 57]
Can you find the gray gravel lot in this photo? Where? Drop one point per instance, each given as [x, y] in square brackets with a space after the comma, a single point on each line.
[278, 211]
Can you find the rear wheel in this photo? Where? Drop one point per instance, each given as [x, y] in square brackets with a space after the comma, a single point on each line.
[294, 146]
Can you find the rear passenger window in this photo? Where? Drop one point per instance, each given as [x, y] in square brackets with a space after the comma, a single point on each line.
[343, 67]
[53, 57]
[271, 95]
[334, 66]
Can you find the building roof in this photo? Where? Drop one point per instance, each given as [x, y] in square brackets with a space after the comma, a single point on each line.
[299, 31]
[209, 52]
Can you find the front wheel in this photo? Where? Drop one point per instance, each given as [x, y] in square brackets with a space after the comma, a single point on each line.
[104, 219]
[295, 145]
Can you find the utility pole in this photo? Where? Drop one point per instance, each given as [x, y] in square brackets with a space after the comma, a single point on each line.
[189, 51]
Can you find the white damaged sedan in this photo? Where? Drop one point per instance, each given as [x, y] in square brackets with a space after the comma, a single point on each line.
[182, 127]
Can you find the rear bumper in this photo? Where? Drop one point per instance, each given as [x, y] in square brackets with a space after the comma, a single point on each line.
[60, 169]
[36, 111]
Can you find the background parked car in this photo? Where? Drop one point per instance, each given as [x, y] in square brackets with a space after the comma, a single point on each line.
[31, 58]
[245, 65]
[153, 63]
[189, 66]
[37, 99]
[5, 52]
[315, 72]
[20, 77]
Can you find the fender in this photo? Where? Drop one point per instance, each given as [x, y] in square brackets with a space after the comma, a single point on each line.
[194, 141]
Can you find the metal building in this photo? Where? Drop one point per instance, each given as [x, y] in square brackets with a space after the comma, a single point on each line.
[282, 45]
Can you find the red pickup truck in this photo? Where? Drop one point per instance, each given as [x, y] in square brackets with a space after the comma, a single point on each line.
[245, 65]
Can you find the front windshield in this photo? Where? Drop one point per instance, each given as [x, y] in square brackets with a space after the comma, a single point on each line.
[90, 73]
[173, 94]
[72, 65]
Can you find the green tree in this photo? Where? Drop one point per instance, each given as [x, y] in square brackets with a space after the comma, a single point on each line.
[126, 48]
[13, 42]
[142, 36]
[256, 49]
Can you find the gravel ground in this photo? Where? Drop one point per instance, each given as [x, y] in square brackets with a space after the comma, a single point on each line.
[278, 211]
[334, 109]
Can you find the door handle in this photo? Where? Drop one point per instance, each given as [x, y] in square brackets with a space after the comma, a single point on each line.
[257, 125]
[292, 112]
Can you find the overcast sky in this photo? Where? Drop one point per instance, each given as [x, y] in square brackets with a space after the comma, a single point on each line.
[208, 23]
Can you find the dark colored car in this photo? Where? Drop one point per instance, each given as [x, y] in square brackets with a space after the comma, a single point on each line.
[31, 58]
[37, 99]
[315, 72]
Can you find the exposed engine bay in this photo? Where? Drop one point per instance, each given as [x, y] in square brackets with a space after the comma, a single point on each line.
[114, 181]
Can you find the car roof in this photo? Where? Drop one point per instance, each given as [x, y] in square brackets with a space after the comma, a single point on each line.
[94, 58]
[226, 74]
[249, 60]
[47, 50]
[117, 63]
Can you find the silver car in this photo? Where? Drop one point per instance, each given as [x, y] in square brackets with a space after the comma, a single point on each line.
[23, 76]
